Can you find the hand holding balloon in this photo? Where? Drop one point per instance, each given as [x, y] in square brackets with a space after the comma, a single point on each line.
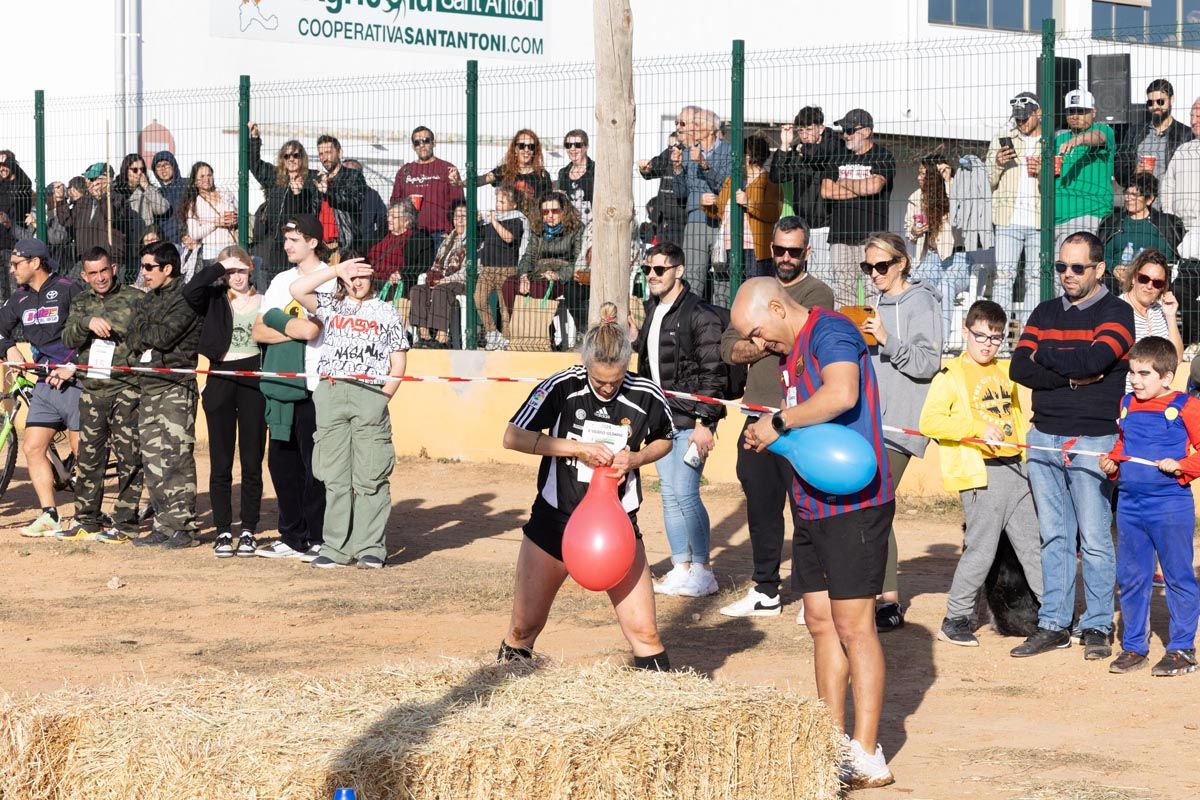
[832, 458]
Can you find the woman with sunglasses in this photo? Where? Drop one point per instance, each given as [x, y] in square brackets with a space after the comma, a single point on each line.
[555, 241]
[907, 330]
[522, 167]
[1139, 227]
[290, 188]
[1155, 309]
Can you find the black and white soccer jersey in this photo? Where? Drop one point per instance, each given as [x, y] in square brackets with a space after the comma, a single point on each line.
[566, 406]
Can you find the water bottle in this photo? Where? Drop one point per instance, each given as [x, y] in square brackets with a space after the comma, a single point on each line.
[1127, 254]
[344, 794]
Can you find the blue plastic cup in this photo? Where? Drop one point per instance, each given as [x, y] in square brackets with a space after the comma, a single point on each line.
[345, 794]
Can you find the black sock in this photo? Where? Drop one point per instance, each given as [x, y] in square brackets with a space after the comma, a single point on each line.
[52, 511]
[658, 662]
[510, 653]
[769, 589]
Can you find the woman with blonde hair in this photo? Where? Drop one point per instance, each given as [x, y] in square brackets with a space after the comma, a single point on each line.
[906, 329]
[290, 188]
[233, 405]
[570, 421]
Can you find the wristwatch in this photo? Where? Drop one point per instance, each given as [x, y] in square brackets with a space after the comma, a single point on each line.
[777, 422]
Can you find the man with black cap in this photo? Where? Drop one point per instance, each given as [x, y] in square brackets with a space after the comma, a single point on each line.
[41, 303]
[1013, 164]
[858, 186]
[293, 344]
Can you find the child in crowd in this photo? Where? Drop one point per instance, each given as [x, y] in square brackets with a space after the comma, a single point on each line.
[352, 450]
[1155, 510]
[973, 397]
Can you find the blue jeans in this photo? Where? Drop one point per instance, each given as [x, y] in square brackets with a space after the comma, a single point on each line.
[1010, 241]
[684, 515]
[1070, 499]
[950, 277]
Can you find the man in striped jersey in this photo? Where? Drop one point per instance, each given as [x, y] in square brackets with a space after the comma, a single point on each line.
[597, 415]
[839, 550]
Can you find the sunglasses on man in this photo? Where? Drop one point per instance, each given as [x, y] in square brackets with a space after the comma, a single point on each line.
[792, 252]
[657, 270]
[574, 145]
[422, 140]
[1061, 267]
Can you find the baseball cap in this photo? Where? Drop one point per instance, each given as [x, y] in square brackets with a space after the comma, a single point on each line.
[856, 118]
[307, 225]
[1023, 106]
[1080, 98]
[35, 248]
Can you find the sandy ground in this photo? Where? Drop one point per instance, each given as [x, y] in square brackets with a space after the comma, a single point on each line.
[958, 722]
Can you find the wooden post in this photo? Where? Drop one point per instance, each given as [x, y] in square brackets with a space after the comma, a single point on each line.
[612, 202]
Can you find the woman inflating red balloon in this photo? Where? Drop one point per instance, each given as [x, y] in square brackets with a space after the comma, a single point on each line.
[598, 420]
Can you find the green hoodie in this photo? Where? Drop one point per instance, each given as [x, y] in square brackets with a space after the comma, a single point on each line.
[282, 393]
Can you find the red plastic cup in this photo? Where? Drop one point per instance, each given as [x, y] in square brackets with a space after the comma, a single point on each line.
[1148, 163]
[417, 199]
[1057, 165]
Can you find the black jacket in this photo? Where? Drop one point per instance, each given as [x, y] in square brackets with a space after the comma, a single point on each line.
[208, 298]
[699, 372]
[16, 199]
[1125, 160]
[804, 171]
[309, 201]
[1168, 225]
[668, 209]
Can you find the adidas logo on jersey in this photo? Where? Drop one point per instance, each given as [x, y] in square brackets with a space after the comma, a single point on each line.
[602, 413]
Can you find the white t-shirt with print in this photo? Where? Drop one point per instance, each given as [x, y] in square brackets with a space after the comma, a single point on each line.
[279, 295]
[359, 337]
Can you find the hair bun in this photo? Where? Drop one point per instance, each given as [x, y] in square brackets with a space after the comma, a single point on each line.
[608, 313]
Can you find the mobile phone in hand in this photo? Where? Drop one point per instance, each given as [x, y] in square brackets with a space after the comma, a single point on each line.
[1006, 141]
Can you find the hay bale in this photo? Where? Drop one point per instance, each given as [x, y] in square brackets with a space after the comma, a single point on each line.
[455, 730]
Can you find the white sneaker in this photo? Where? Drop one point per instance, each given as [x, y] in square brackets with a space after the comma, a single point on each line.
[861, 771]
[673, 580]
[754, 604]
[800, 615]
[492, 340]
[700, 582]
[279, 549]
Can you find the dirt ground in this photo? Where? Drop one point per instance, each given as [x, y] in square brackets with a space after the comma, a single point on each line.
[958, 722]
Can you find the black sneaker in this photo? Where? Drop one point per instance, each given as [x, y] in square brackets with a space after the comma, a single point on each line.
[1042, 641]
[889, 617]
[957, 630]
[1175, 662]
[247, 547]
[1127, 662]
[370, 562]
[152, 539]
[1096, 644]
[181, 540]
[325, 562]
[223, 546]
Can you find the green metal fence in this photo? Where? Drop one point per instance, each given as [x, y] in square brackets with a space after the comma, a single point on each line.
[936, 107]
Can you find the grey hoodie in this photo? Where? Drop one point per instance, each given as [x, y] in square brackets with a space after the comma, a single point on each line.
[907, 363]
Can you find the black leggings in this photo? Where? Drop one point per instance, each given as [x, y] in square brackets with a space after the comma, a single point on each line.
[233, 409]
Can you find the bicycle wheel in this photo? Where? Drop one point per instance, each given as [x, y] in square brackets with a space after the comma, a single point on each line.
[8, 451]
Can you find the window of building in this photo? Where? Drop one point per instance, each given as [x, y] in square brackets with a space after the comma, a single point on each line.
[1008, 15]
[1173, 23]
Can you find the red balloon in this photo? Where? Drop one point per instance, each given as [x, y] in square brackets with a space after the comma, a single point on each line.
[598, 544]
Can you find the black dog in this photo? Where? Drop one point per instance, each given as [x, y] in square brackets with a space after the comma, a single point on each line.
[1008, 602]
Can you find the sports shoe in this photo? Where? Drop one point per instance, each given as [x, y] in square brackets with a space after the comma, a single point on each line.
[310, 555]
[800, 615]
[673, 580]
[279, 549]
[1158, 581]
[223, 546]
[80, 533]
[754, 604]
[152, 539]
[1042, 641]
[889, 617]
[1128, 662]
[1175, 662]
[42, 527]
[369, 562]
[492, 340]
[181, 540]
[957, 630]
[1096, 644]
[325, 562]
[700, 582]
[112, 536]
[246, 546]
[862, 771]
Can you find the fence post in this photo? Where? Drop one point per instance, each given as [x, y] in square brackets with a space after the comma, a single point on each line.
[472, 202]
[39, 164]
[737, 167]
[1046, 174]
[243, 160]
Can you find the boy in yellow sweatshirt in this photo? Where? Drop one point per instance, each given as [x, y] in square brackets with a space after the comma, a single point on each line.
[973, 397]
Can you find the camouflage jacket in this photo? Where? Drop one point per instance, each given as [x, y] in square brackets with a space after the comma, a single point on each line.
[118, 307]
[168, 329]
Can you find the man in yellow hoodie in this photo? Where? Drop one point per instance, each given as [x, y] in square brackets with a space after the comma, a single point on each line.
[974, 398]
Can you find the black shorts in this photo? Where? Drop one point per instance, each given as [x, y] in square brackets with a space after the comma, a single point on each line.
[845, 555]
[546, 525]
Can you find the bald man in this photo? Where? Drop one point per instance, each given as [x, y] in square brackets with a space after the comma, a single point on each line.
[839, 549]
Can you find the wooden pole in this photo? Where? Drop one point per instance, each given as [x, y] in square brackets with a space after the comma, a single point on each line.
[612, 203]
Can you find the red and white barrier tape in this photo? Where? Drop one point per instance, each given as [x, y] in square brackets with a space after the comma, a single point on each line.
[1067, 450]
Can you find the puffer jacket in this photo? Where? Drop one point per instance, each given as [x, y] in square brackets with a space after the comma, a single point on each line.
[118, 307]
[560, 254]
[700, 372]
[169, 328]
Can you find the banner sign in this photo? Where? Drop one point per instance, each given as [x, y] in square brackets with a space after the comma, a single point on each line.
[504, 29]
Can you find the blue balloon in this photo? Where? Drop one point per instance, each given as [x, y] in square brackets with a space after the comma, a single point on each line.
[832, 458]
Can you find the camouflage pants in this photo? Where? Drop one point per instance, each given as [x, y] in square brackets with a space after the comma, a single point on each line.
[108, 422]
[167, 429]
